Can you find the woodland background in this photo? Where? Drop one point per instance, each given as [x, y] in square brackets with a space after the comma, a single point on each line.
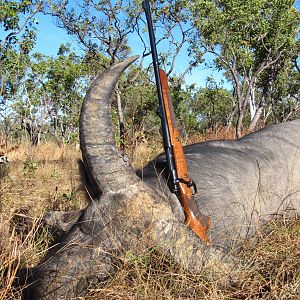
[254, 45]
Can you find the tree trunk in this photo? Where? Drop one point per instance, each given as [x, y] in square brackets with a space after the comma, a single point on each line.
[121, 118]
[255, 119]
[239, 124]
[252, 104]
[231, 116]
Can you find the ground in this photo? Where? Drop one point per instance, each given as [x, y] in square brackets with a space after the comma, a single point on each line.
[49, 177]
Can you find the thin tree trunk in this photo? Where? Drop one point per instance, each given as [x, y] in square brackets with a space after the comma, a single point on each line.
[243, 106]
[260, 108]
[239, 125]
[231, 116]
[121, 118]
[241, 112]
[256, 117]
[252, 105]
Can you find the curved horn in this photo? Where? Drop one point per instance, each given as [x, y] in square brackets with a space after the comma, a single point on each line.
[102, 160]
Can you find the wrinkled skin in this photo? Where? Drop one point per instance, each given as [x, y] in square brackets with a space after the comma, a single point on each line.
[239, 183]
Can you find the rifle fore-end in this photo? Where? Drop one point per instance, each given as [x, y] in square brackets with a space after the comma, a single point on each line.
[197, 221]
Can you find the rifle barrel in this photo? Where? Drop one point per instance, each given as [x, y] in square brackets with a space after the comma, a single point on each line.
[164, 125]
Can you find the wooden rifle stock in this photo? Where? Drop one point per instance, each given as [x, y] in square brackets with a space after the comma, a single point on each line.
[197, 221]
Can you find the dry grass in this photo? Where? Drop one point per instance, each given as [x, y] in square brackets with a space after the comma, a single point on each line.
[47, 178]
[42, 178]
[37, 180]
[220, 133]
[267, 268]
[144, 151]
[22, 245]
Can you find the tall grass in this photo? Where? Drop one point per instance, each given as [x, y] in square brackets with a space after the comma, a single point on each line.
[21, 246]
[38, 179]
[47, 178]
[268, 267]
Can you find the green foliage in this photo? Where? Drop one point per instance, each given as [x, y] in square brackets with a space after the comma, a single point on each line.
[249, 39]
[30, 166]
[102, 27]
[212, 105]
[182, 98]
[283, 99]
[195, 109]
[140, 105]
[17, 23]
[18, 36]
[247, 29]
[13, 68]
[17, 20]
[54, 89]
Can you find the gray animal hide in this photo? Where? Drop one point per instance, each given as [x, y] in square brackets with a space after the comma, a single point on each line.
[242, 183]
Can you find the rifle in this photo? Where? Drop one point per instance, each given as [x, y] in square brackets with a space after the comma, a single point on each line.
[179, 180]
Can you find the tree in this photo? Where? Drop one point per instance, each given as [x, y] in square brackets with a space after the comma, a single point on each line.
[172, 40]
[101, 27]
[283, 98]
[172, 33]
[248, 39]
[51, 95]
[139, 106]
[17, 22]
[212, 105]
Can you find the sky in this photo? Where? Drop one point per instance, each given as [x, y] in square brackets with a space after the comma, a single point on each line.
[50, 37]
